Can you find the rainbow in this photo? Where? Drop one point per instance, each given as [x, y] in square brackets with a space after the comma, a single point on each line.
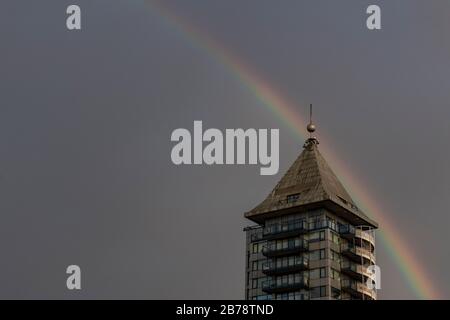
[403, 256]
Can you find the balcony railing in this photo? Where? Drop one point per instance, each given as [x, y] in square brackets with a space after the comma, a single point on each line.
[354, 270]
[281, 230]
[349, 232]
[278, 267]
[275, 250]
[357, 254]
[365, 235]
[277, 286]
[357, 289]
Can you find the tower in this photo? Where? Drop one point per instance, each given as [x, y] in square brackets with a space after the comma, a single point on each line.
[310, 240]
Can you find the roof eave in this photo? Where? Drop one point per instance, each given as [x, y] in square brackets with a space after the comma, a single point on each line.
[354, 216]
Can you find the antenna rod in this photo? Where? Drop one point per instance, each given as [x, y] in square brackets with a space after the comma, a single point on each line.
[311, 127]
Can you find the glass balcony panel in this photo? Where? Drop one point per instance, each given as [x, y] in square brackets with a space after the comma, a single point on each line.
[284, 229]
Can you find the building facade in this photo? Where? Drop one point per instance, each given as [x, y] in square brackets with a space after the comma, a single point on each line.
[309, 241]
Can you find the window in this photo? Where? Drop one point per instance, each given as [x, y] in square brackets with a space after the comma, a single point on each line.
[314, 274]
[317, 223]
[317, 255]
[314, 236]
[288, 261]
[315, 293]
[254, 283]
[323, 272]
[283, 296]
[292, 296]
[304, 296]
[314, 255]
[260, 264]
[335, 274]
[289, 279]
[322, 254]
[318, 273]
[317, 236]
[257, 265]
[261, 281]
[257, 247]
[332, 224]
[323, 291]
[318, 292]
[292, 198]
[335, 256]
[284, 244]
[335, 238]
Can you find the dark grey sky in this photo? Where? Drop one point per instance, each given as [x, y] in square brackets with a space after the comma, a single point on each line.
[86, 118]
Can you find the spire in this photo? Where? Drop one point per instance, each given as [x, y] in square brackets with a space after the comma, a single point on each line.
[308, 184]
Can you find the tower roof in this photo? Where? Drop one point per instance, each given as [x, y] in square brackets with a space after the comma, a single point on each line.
[309, 183]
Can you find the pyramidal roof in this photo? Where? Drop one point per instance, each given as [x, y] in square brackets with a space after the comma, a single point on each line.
[309, 183]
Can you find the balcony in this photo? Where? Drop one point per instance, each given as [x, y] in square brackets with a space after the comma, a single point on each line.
[357, 289]
[365, 237]
[354, 270]
[285, 230]
[276, 286]
[357, 254]
[274, 250]
[285, 266]
[351, 233]
[347, 231]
